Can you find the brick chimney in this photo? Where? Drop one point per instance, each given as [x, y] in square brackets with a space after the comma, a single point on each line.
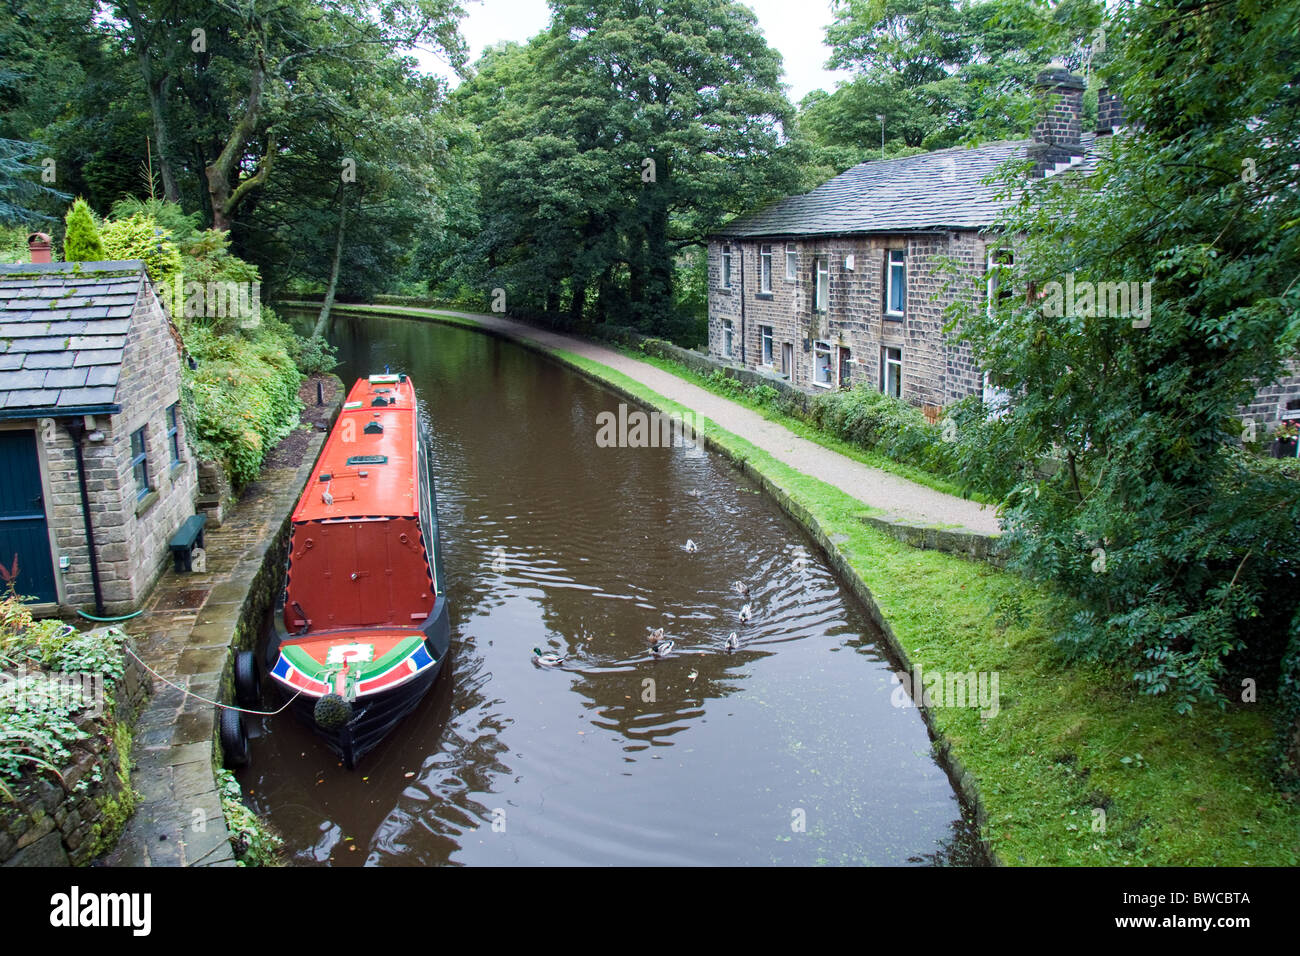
[38, 244]
[1056, 137]
[1110, 111]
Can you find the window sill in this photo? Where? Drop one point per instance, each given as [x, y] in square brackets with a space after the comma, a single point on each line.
[176, 469]
[723, 290]
[826, 385]
[147, 502]
[895, 316]
[764, 295]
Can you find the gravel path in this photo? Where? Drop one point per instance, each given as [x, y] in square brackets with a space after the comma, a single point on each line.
[897, 496]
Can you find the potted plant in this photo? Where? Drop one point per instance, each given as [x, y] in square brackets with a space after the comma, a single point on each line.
[1284, 439]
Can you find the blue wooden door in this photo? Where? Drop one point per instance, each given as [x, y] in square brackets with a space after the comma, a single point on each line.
[24, 538]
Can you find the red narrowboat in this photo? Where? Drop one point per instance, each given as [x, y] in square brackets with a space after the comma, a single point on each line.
[362, 626]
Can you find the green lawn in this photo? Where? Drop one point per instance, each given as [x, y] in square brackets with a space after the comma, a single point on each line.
[1067, 741]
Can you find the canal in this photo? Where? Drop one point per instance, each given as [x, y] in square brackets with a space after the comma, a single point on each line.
[785, 751]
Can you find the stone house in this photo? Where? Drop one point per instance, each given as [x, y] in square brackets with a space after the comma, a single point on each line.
[847, 284]
[96, 475]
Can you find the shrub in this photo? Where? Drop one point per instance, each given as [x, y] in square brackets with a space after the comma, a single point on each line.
[81, 242]
[252, 839]
[140, 237]
[37, 711]
[244, 397]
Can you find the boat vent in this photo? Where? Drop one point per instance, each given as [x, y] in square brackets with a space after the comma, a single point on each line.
[380, 401]
[374, 428]
[368, 460]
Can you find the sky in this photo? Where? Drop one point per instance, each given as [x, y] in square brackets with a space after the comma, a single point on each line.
[796, 28]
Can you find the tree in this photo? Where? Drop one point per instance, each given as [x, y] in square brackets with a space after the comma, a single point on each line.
[939, 72]
[224, 95]
[1176, 547]
[81, 242]
[613, 141]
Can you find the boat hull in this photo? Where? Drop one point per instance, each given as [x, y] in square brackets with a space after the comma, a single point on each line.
[374, 716]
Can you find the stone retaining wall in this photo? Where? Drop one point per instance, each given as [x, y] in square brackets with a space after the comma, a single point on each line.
[61, 825]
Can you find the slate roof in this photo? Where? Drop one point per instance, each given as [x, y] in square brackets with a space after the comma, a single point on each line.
[944, 189]
[63, 328]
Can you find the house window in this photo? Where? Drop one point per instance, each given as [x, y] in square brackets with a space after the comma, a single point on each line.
[999, 285]
[174, 432]
[727, 332]
[726, 265]
[765, 331]
[764, 268]
[891, 371]
[823, 371]
[896, 293]
[791, 262]
[139, 464]
[821, 283]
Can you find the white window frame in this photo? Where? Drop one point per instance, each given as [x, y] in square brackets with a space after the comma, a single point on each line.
[821, 348]
[728, 337]
[887, 361]
[821, 267]
[994, 269]
[791, 262]
[896, 257]
[765, 268]
[769, 349]
[726, 265]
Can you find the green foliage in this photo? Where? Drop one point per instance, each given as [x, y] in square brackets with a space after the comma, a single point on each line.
[81, 242]
[253, 840]
[940, 73]
[314, 355]
[622, 167]
[168, 216]
[1178, 549]
[113, 811]
[38, 708]
[140, 237]
[245, 394]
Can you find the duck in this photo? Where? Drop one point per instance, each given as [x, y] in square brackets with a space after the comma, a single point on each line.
[746, 613]
[691, 547]
[741, 588]
[656, 636]
[663, 648]
[547, 660]
[732, 642]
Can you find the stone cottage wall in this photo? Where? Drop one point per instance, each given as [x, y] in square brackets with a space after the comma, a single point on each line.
[150, 384]
[130, 535]
[937, 368]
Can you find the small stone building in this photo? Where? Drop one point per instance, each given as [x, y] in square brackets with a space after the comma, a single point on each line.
[848, 284]
[89, 363]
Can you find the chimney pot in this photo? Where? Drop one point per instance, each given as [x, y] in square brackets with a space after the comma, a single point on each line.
[38, 244]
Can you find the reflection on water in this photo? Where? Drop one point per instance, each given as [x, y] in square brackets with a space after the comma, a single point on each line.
[785, 751]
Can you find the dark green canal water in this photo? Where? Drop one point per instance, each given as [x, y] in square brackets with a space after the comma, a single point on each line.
[786, 751]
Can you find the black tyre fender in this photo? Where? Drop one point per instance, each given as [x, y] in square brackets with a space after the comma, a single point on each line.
[248, 680]
[234, 738]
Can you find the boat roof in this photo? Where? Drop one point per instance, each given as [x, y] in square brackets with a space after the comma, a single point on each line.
[368, 465]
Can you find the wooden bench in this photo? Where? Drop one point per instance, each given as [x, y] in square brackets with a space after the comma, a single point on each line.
[184, 541]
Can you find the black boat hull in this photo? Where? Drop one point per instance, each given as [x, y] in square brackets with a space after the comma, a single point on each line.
[374, 716]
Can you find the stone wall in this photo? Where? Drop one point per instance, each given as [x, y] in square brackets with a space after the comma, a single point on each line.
[1275, 401]
[130, 534]
[57, 825]
[938, 368]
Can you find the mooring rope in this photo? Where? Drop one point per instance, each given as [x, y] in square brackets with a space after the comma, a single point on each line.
[214, 703]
